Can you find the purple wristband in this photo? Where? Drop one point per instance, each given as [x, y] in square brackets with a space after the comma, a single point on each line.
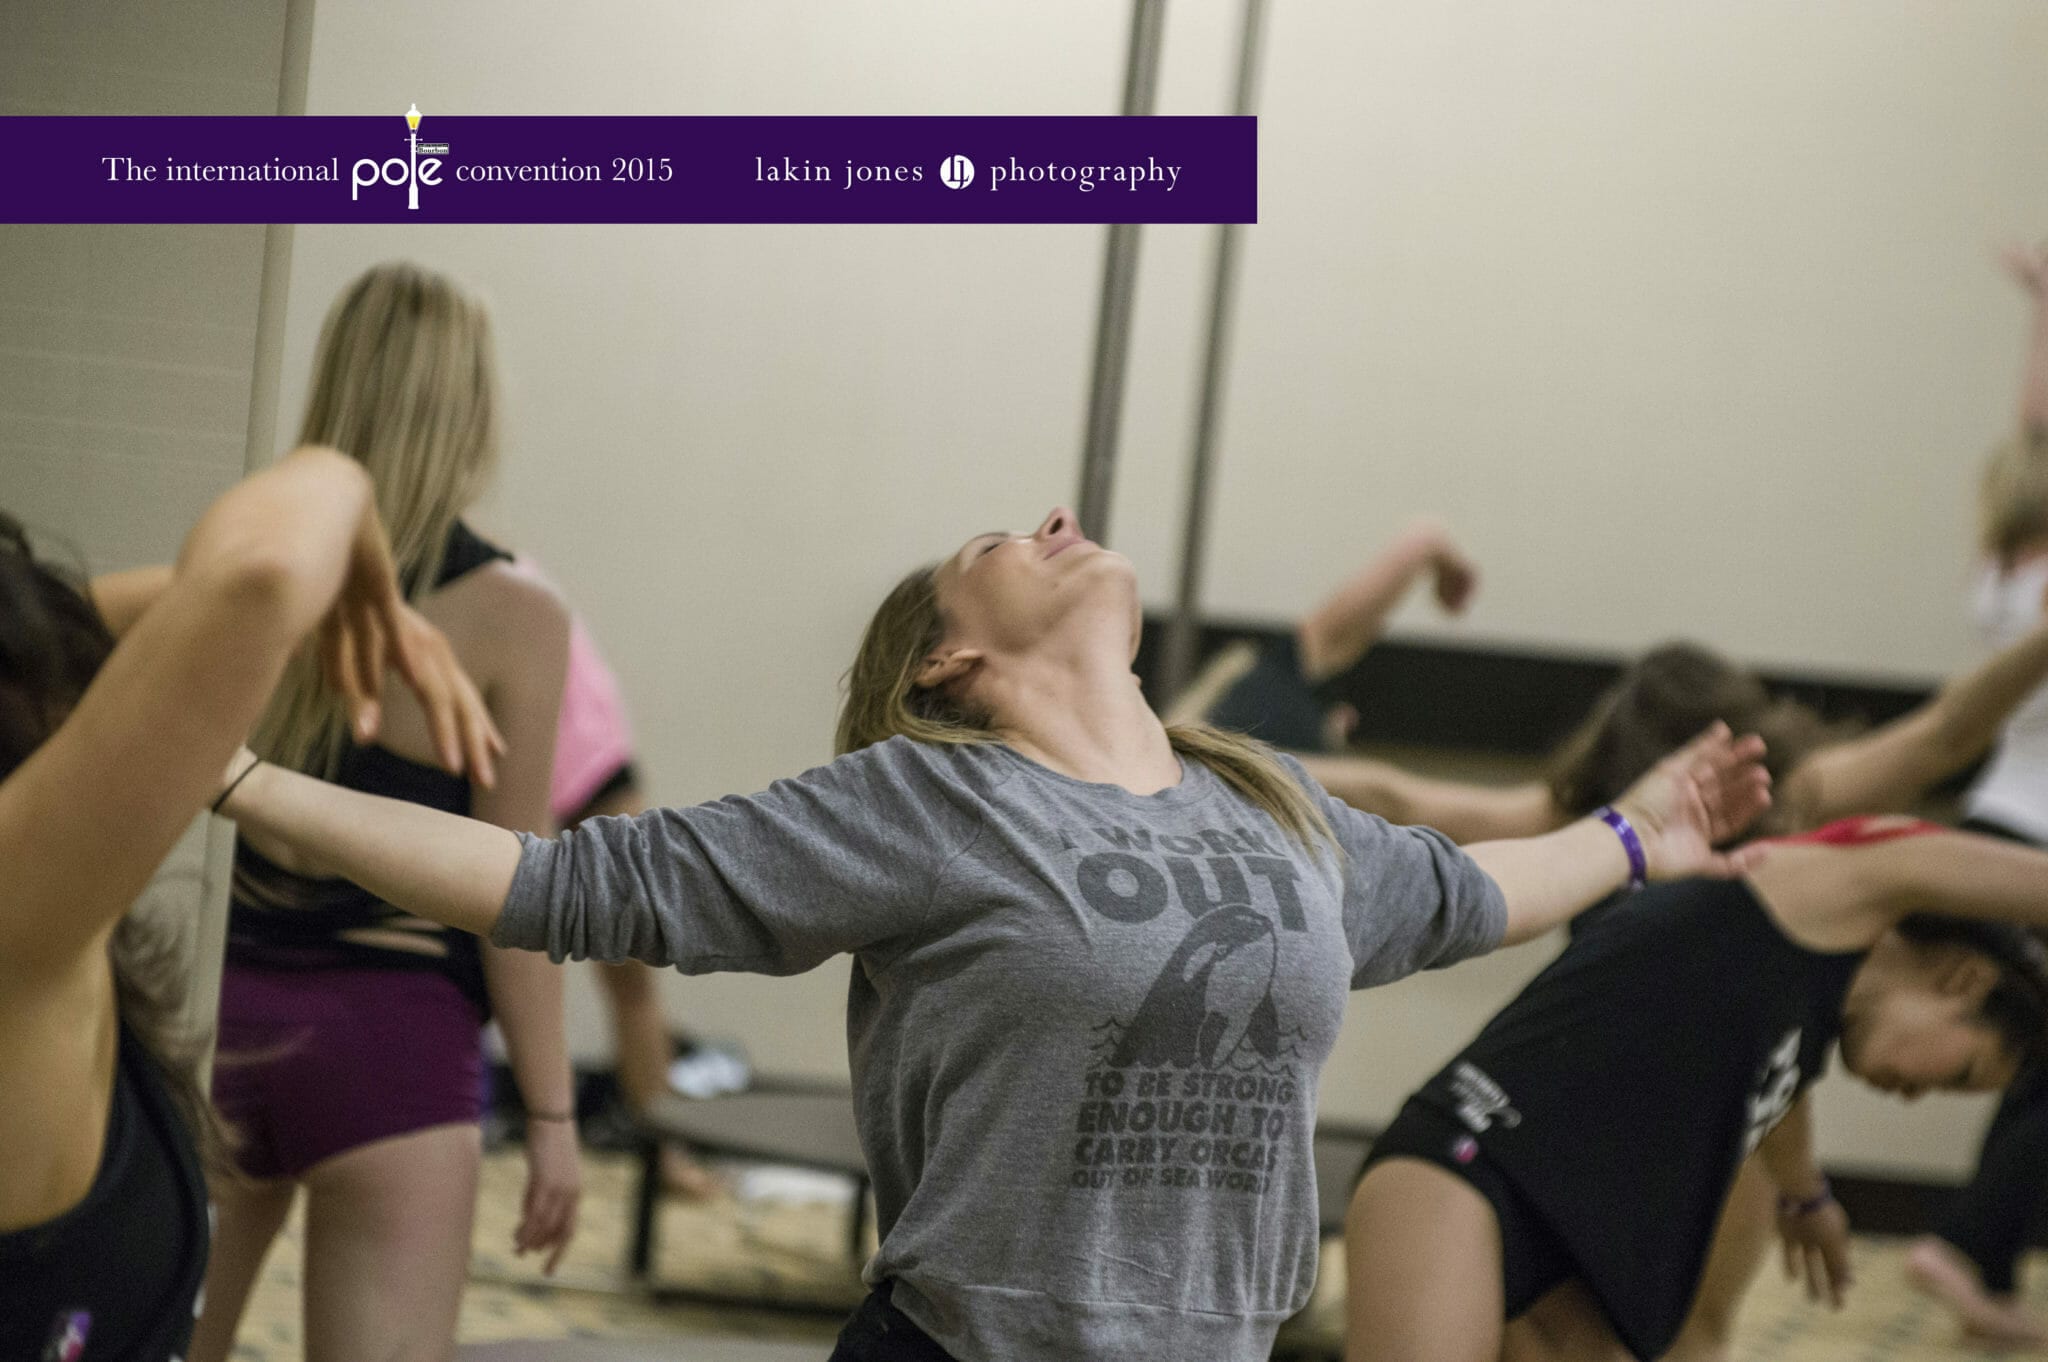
[1795, 1208]
[1638, 863]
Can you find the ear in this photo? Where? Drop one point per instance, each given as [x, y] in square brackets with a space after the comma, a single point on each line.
[943, 666]
[1968, 975]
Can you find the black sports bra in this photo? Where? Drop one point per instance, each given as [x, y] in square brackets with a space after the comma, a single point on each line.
[118, 1275]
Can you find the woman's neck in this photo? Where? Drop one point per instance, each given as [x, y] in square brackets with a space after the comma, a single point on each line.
[1088, 722]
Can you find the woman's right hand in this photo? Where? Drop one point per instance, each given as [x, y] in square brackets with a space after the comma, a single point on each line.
[1457, 578]
[554, 1188]
[372, 627]
[1695, 800]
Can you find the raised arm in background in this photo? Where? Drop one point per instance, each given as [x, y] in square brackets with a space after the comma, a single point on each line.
[2029, 265]
[1890, 768]
[1347, 623]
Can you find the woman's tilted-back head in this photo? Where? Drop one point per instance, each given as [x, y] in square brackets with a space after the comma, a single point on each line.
[997, 601]
[404, 382]
[1007, 600]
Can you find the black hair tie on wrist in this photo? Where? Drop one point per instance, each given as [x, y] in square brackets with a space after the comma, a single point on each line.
[235, 784]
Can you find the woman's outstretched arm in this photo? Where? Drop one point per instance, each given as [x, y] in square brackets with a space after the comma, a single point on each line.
[2030, 267]
[1890, 768]
[1684, 807]
[1346, 624]
[442, 866]
[1846, 897]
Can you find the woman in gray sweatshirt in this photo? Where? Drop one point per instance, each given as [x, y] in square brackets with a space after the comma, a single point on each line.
[1099, 962]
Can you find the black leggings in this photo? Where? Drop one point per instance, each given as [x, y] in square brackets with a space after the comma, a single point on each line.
[879, 1332]
[1997, 1215]
[1275, 702]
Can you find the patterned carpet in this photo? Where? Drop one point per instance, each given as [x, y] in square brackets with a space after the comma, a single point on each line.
[793, 1251]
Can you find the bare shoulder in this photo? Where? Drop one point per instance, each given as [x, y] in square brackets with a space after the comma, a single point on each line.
[515, 595]
[1816, 896]
[496, 616]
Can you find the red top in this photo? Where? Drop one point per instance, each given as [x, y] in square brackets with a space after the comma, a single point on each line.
[1866, 830]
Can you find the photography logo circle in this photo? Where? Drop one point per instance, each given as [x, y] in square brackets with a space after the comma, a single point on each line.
[956, 172]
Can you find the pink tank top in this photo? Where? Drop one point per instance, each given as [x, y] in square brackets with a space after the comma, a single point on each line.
[592, 738]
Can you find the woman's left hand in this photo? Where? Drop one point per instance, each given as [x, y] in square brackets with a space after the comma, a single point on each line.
[554, 1187]
[1815, 1240]
[370, 628]
[1696, 799]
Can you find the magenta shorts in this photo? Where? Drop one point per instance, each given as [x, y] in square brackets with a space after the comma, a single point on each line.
[314, 1063]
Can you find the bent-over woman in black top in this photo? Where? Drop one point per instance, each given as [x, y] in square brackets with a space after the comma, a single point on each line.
[1553, 1191]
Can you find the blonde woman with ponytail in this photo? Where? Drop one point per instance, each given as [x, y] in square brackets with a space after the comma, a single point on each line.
[1099, 962]
[350, 1029]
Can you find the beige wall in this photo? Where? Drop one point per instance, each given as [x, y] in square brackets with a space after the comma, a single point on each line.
[1682, 313]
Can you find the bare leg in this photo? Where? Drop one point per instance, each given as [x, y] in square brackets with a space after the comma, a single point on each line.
[640, 1033]
[387, 1247]
[1422, 1250]
[1748, 1221]
[1938, 1268]
[250, 1215]
[1567, 1325]
[1972, 1267]
[644, 1057]
[639, 1030]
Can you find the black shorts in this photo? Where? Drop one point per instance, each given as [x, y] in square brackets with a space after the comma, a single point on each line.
[625, 778]
[1274, 702]
[1534, 1261]
[879, 1332]
[1993, 829]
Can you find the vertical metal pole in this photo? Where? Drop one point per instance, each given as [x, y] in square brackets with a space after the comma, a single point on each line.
[1183, 631]
[1119, 281]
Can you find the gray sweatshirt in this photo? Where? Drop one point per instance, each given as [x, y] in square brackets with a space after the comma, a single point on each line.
[1085, 1025]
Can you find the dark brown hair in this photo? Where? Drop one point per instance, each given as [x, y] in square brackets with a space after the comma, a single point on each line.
[52, 644]
[1663, 700]
[2017, 1006]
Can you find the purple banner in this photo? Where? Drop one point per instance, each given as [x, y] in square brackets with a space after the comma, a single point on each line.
[483, 169]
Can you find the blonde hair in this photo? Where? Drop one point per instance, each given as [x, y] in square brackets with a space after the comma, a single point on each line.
[883, 700]
[404, 382]
[2012, 500]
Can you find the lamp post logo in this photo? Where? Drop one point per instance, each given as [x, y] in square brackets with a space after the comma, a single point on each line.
[408, 170]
